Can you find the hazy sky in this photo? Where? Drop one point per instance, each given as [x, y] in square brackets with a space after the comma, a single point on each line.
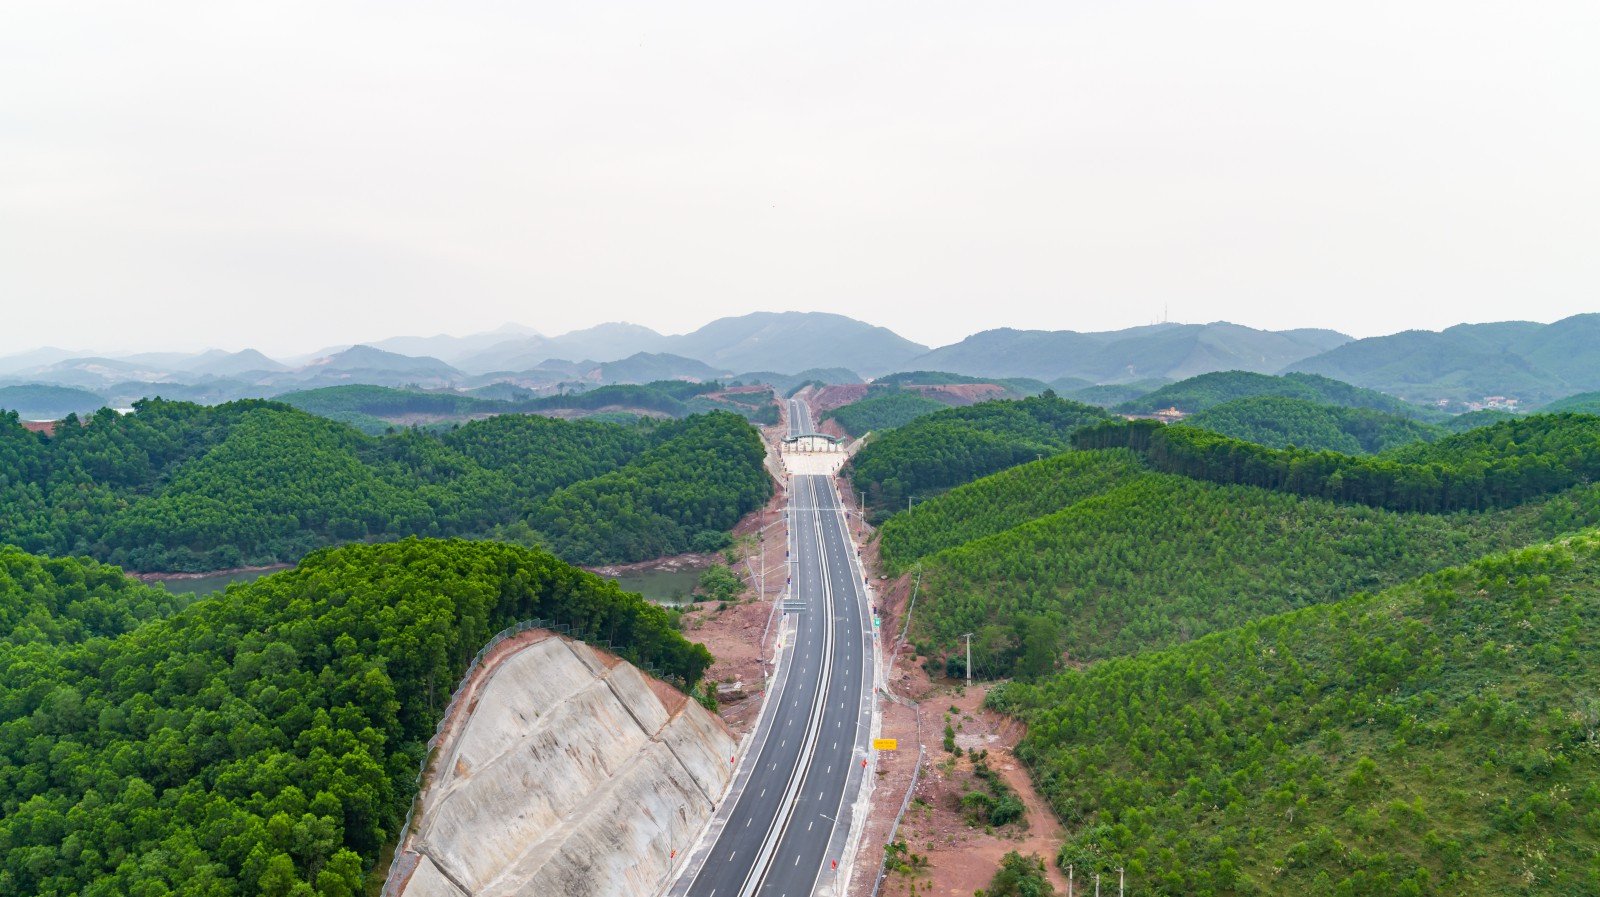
[288, 175]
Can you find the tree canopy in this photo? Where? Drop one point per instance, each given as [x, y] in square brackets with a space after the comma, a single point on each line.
[176, 486]
[1279, 422]
[958, 445]
[265, 741]
[1438, 738]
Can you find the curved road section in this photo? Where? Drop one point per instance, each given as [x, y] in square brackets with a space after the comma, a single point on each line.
[790, 820]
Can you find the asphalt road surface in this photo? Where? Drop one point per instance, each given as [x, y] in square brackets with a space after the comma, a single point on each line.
[800, 423]
[776, 839]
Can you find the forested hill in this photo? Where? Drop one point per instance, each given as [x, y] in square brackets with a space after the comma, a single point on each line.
[1499, 465]
[1279, 422]
[1095, 554]
[185, 487]
[883, 411]
[1437, 739]
[377, 409]
[944, 449]
[1207, 390]
[265, 742]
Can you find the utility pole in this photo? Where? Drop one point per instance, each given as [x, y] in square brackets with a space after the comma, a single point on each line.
[1119, 881]
[968, 637]
[1069, 881]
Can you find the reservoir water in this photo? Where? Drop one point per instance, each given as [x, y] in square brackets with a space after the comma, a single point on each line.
[200, 586]
[668, 587]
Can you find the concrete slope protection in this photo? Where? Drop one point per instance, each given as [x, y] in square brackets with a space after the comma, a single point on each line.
[786, 828]
[573, 777]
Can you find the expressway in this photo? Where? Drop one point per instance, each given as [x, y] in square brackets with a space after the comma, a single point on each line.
[779, 839]
[800, 423]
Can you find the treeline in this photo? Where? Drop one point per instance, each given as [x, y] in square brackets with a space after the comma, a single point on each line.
[958, 445]
[883, 411]
[1495, 466]
[185, 487]
[383, 401]
[1279, 422]
[1437, 739]
[62, 601]
[265, 742]
[1123, 559]
[375, 409]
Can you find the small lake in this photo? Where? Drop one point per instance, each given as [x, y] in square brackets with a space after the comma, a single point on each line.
[200, 586]
[668, 587]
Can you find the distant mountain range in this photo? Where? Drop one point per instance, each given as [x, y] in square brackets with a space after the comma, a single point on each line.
[783, 341]
[1170, 351]
[1534, 363]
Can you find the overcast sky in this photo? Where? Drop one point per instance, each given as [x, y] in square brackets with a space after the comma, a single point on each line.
[288, 175]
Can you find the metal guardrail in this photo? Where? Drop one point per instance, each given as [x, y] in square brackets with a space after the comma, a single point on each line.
[916, 774]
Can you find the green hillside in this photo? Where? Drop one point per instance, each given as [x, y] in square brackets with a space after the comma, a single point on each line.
[36, 401]
[1535, 363]
[1582, 403]
[1436, 739]
[266, 741]
[375, 409]
[1131, 560]
[999, 502]
[1279, 422]
[1472, 420]
[1208, 390]
[1106, 395]
[186, 487]
[883, 411]
[957, 445]
[1495, 466]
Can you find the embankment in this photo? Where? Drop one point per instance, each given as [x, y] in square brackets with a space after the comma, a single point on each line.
[574, 775]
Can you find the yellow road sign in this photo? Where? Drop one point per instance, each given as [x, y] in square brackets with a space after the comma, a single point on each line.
[885, 744]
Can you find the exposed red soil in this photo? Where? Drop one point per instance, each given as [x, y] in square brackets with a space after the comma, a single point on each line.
[960, 858]
[833, 396]
[734, 634]
[963, 393]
